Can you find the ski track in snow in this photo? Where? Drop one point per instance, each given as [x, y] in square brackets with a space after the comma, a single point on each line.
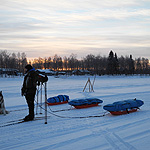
[71, 137]
[125, 132]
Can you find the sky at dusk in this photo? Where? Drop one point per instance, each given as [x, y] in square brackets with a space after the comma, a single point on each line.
[43, 28]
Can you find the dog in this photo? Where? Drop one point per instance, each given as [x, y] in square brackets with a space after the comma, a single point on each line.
[2, 106]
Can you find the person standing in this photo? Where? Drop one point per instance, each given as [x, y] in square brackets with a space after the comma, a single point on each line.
[31, 79]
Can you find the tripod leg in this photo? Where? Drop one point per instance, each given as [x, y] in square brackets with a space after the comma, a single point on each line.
[45, 103]
[85, 85]
[41, 100]
[90, 84]
[37, 101]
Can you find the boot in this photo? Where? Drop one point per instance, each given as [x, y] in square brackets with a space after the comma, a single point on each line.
[28, 118]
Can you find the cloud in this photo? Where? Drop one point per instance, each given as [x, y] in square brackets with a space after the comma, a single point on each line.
[71, 25]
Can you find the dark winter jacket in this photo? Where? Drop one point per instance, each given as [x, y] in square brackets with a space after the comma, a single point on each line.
[30, 82]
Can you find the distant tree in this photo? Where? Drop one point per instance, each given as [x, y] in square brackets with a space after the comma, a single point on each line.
[131, 65]
[138, 65]
[19, 62]
[97, 64]
[144, 63]
[45, 63]
[82, 64]
[89, 62]
[23, 61]
[49, 63]
[1, 61]
[142, 66]
[6, 58]
[57, 62]
[13, 61]
[35, 63]
[60, 63]
[116, 64]
[111, 64]
[100, 65]
[65, 64]
[72, 61]
[122, 65]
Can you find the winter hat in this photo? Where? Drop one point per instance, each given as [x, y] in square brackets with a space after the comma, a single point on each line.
[28, 67]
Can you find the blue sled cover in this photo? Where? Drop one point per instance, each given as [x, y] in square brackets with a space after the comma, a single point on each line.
[59, 98]
[123, 105]
[87, 101]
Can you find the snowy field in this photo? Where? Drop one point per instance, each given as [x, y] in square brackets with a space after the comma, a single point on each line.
[63, 132]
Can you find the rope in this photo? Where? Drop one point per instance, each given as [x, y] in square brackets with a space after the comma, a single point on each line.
[76, 117]
[51, 112]
[61, 109]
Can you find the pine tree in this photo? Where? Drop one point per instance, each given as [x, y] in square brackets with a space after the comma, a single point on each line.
[110, 63]
[116, 64]
[131, 65]
[113, 64]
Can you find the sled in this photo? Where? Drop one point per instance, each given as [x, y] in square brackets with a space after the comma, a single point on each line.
[57, 103]
[123, 112]
[123, 107]
[85, 103]
[86, 106]
[57, 100]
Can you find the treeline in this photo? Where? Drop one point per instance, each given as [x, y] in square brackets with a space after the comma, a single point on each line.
[96, 64]
[111, 65]
[13, 60]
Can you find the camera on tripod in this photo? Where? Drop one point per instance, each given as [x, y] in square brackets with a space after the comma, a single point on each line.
[43, 77]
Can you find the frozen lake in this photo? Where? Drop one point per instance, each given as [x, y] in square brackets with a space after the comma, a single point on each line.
[124, 132]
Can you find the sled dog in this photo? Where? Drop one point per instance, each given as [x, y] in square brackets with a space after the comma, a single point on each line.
[2, 106]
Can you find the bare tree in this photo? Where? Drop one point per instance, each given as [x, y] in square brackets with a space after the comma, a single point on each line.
[72, 61]
[23, 61]
[65, 62]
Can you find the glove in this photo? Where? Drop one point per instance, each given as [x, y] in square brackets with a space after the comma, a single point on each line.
[38, 83]
[45, 79]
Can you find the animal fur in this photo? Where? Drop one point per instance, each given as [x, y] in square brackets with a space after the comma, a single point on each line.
[2, 106]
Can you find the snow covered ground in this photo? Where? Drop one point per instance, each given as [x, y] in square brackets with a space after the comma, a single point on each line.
[124, 132]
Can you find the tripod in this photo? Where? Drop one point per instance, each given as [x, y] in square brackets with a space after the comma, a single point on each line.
[90, 86]
[40, 105]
